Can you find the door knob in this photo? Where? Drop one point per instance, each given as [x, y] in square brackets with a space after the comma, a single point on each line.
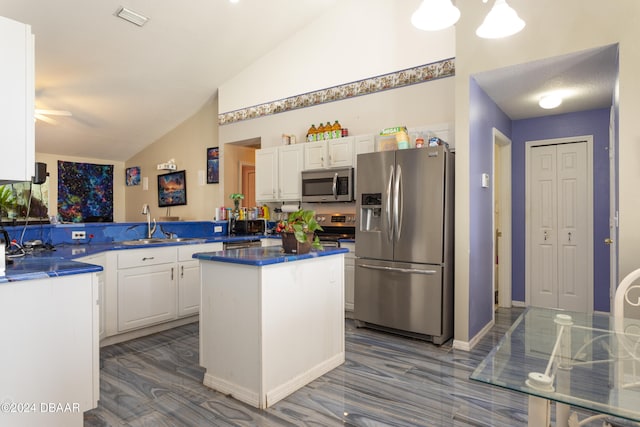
[608, 241]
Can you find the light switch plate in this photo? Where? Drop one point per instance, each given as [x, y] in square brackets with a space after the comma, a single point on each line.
[485, 180]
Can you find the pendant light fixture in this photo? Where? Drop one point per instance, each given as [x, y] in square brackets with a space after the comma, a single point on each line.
[434, 15]
[502, 21]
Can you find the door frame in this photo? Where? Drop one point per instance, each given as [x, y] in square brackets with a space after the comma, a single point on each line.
[588, 139]
[613, 210]
[504, 251]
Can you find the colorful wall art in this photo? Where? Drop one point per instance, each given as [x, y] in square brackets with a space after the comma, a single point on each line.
[85, 192]
[172, 189]
[213, 165]
[133, 176]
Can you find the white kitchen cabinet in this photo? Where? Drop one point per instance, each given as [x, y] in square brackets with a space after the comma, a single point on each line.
[17, 162]
[267, 174]
[270, 242]
[333, 153]
[278, 173]
[290, 164]
[363, 144]
[146, 287]
[50, 350]
[101, 260]
[349, 276]
[189, 277]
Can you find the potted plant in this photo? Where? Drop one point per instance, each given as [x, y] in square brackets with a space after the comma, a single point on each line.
[298, 232]
[236, 197]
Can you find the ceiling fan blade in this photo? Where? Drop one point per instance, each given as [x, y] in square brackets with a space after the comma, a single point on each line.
[45, 119]
[53, 112]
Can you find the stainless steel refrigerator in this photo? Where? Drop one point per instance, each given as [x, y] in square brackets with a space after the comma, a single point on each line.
[404, 242]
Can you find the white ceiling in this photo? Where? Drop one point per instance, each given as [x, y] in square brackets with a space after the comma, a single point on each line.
[127, 86]
[587, 80]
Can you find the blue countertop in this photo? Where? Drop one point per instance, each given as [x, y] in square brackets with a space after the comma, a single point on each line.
[59, 261]
[31, 268]
[263, 256]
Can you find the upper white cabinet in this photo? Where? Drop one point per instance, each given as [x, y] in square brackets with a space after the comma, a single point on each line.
[17, 93]
[332, 153]
[278, 173]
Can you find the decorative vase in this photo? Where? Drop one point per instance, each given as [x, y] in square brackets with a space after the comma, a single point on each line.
[291, 245]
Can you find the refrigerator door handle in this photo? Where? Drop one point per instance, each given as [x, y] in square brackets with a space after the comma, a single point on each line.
[399, 270]
[397, 202]
[388, 205]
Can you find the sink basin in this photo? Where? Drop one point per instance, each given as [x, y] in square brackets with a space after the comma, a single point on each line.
[154, 240]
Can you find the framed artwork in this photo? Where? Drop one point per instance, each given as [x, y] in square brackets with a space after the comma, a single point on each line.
[85, 192]
[213, 165]
[172, 189]
[133, 176]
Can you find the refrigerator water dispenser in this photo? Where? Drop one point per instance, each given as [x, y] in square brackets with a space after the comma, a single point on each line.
[371, 212]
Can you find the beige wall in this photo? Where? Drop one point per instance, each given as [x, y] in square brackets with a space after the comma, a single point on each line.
[553, 28]
[420, 104]
[187, 144]
[118, 181]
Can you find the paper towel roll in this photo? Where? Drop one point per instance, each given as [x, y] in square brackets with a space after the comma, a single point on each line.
[289, 208]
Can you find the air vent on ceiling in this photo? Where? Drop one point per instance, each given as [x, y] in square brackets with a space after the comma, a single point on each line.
[131, 16]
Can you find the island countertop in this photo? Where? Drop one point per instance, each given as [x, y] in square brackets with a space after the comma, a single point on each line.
[263, 256]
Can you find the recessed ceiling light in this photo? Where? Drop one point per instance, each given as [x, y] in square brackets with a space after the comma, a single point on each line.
[131, 16]
[234, 1]
[549, 102]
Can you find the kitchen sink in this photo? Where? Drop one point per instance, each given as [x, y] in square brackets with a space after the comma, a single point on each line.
[154, 240]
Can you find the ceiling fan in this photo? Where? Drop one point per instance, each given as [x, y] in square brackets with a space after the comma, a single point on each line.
[43, 115]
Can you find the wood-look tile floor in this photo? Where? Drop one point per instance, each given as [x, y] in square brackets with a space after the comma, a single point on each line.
[386, 380]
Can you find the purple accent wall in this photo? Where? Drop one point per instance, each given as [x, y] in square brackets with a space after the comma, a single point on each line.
[484, 115]
[592, 122]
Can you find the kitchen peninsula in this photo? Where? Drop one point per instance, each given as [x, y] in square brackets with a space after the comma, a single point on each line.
[270, 322]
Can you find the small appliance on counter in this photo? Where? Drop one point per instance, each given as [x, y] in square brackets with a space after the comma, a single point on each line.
[248, 227]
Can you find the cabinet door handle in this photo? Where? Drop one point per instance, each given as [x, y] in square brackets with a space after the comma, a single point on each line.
[147, 258]
[171, 273]
[182, 271]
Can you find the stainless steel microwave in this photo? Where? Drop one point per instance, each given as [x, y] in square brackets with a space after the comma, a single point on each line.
[327, 185]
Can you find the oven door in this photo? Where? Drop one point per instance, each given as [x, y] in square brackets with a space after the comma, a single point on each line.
[330, 185]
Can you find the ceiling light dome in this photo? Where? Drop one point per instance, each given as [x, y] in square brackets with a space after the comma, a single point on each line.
[502, 21]
[434, 15]
[549, 102]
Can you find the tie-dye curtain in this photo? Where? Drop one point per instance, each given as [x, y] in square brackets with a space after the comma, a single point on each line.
[85, 192]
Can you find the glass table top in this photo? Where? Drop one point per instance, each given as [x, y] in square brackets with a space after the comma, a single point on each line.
[584, 360]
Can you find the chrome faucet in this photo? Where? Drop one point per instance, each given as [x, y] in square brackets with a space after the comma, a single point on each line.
[147, 212]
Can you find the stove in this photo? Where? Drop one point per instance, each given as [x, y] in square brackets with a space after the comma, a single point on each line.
[336, 226]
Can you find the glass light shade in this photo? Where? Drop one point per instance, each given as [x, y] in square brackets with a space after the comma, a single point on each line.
[502, 21]
[434, 15]
[549, 102]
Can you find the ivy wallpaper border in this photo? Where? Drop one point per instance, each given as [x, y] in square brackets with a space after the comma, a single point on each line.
[397, 79]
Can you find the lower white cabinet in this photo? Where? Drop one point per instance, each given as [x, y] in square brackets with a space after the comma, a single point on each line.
[271, 242]
[146, 287]
[189, 277]
[349, 275]
[101, 260]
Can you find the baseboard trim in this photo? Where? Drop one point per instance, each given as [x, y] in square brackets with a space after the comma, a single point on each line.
[468, 345]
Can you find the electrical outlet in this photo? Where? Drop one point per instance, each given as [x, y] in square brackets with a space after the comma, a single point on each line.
[75, 235]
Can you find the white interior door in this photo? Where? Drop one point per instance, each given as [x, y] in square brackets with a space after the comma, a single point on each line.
[560, 224]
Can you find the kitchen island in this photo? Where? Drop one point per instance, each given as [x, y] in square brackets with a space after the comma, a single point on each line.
[270, 322]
